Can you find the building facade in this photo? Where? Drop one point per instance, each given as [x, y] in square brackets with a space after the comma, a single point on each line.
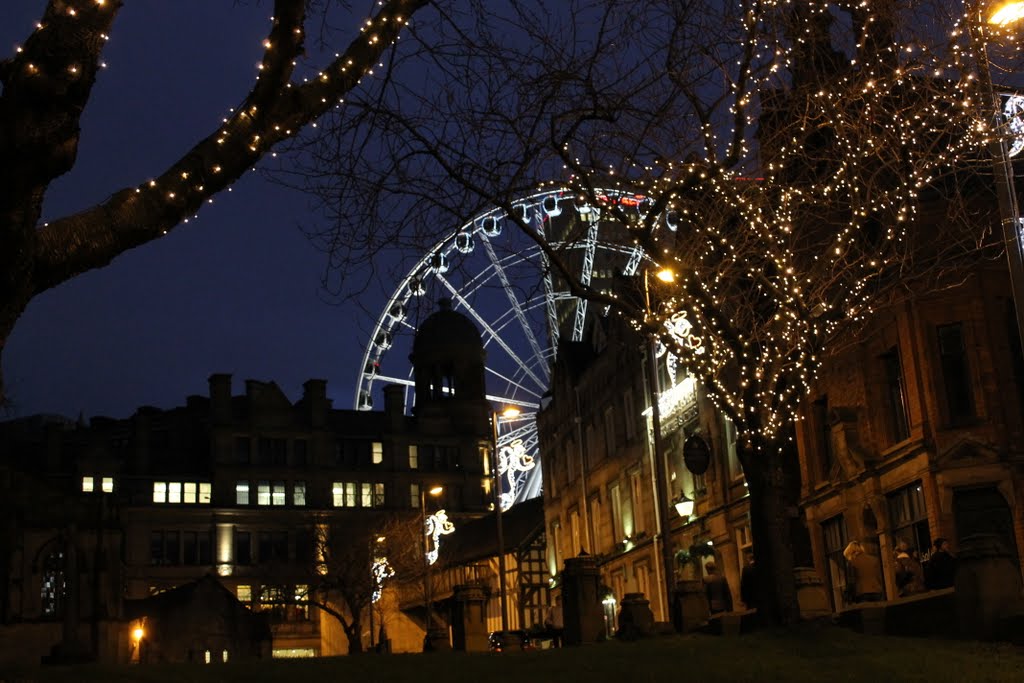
[912, 432]
[241, 487]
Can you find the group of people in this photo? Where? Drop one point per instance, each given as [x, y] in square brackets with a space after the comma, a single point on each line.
[864, 581]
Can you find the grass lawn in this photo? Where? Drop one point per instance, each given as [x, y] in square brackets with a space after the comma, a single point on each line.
[812, 655]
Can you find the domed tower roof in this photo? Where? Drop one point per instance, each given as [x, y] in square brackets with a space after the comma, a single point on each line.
[446, 328]
[448, 358]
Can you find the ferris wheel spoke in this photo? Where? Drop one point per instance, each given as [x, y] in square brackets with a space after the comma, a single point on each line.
[514, 383]
[516, 306]
[488, 329]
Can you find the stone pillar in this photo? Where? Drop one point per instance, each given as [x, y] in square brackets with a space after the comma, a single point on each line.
[581, 601]
[988, 586]
[810, 593]
[469, 621]
[635, 618]
[690, 610]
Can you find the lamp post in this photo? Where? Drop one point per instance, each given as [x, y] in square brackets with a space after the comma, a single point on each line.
[659, 465]
[374, 579]
[434, 491]
[508, 413]
[1003, 14]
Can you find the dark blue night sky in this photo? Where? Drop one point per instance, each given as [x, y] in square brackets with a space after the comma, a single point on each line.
[236, 290]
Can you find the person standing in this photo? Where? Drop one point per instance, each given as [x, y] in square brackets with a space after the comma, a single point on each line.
[909, 573]
[717, 589]
[554, 622]
[865, 572]
[941, 571]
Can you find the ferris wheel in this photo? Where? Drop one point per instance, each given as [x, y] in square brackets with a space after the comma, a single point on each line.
[501, 280]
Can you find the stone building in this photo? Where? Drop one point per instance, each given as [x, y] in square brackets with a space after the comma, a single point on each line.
[913, 431]
[239, 486]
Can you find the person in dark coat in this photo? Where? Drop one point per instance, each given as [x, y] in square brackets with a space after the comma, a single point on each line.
[909, 572]
[717, 588]
[941, 570]
[748, 582]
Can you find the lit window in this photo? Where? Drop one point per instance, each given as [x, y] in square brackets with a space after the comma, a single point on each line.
[367, 495]
[244, 593]
[378, 495]
[338, 493]
[189, 492]
[159, 492]
[263, 493]
[414, 495]
[278, 493]
[174, 492]
[204, 493]
[87, 485]
[207, 657]
[350, 494]
[224, 656]
[108, 484]
[414, 456]
[242, 493]
[378, 452]
[299, 493]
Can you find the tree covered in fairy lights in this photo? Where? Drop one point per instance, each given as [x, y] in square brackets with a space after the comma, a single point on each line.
[47, 81]
[797, 164]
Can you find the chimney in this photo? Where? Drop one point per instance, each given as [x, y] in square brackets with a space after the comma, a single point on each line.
[220, 398]
[314, 393]
[394, 404]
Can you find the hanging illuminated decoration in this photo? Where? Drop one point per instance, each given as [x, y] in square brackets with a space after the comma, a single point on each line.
[436, 525]
[380, 571]
[513, 459]
[1013, 114]
[679, 327]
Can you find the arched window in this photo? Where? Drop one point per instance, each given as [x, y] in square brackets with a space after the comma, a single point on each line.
[54, 587]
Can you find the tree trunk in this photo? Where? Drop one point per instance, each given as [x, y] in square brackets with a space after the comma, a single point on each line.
[774, 514]
[353, 630]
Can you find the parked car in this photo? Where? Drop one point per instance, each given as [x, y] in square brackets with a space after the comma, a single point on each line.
[499, 641]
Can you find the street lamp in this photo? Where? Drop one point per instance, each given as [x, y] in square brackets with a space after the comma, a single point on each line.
[434, 491]
[659, 465]
[1003, 14]
[508, 413]
[683, 505]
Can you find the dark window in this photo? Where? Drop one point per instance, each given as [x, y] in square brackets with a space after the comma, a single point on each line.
[303, 545]
[299, 448]
[172, 549]
[909, 519]
[834, 531]
[273, 546]
[190, 547]
[823, 431]
[243, 449]
[243, 547]
[955, 374]
[205, 548]
[428, 457]
[273, 451]
[156, 547]
[894, 396]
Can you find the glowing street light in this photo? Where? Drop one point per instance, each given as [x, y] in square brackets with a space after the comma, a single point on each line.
[1007, 13]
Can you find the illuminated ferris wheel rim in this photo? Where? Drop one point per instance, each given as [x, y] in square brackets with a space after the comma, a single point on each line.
[483, 228]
